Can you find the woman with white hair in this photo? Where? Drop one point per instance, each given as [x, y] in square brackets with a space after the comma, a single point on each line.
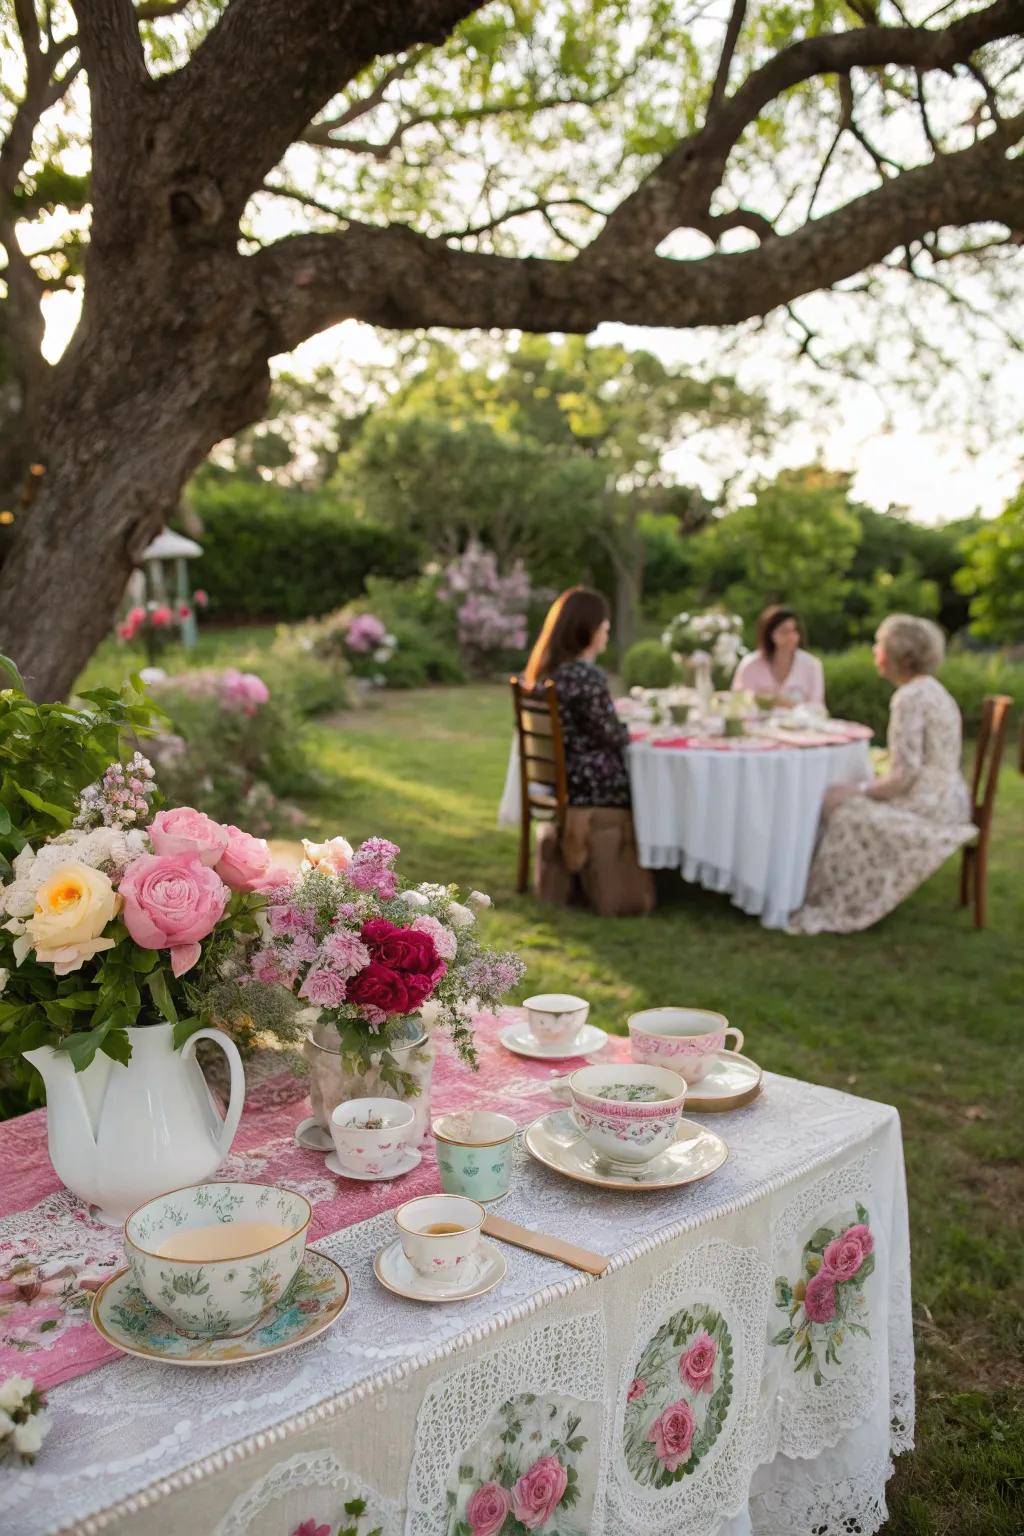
[883, 839]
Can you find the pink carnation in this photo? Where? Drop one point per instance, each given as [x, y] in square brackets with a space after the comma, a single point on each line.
[303, 947]
[672, 1435]
[324, 988]
[846, 1253]
[184, 830]
[538, 1492]
[266, 965]
[488, 1509]
[820, 1297]
[697, 1366]
[171, 902]
[344, 952]
[287, 919]
[444, 939]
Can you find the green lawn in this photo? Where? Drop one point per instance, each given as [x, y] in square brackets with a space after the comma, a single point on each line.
[922, 1012]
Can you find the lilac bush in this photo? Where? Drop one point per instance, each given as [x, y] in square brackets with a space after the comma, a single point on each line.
[491, 607]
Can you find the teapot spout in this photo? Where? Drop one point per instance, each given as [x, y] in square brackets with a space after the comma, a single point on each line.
[73, 1103]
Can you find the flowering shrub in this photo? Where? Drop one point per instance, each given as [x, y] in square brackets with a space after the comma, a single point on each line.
[345, 937]
[233, 749]
[102, 923]
[491, 609]
[156, 626]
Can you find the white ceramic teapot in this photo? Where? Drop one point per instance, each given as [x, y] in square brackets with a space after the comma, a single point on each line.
[122, 1134]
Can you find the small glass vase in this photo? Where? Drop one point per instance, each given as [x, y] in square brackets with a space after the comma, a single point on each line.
[734, 726]
[335, 1078]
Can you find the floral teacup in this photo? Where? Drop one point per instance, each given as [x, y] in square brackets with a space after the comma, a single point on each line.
[475, 1153]
[556, 1018]
[213, 1257]
[628, 1113]
[440, 1234]
[685, 1039]
[371, 1136]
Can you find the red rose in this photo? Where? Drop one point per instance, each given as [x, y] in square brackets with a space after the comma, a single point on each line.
[418, 987]
[378, 986]
[403, 949]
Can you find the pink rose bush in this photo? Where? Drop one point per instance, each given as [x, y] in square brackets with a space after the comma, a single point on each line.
[344, 936]
[131, 909]
[826, 1305]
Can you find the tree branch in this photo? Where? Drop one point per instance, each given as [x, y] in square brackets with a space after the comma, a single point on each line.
[732, 33]
[681, 186]
[269, 66]
[373, 98]
[397, 278]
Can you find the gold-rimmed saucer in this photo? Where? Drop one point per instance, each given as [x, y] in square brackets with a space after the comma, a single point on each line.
[487, 1269]
[731, 1082]
[557, 1141]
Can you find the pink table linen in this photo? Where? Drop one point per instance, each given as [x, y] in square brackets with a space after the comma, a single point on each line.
[53, 1256]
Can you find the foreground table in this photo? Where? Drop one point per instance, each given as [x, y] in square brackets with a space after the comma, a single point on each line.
[670, 1396]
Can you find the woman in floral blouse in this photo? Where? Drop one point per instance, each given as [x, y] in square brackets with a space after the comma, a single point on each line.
[574, 635]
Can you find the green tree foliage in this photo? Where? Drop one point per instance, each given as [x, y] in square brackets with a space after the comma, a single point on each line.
[993, 575]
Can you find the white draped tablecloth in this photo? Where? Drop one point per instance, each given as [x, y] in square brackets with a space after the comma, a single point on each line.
[405, 1411]
[741, 822]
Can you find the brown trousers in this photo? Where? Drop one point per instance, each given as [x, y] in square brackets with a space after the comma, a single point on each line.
[596, 855]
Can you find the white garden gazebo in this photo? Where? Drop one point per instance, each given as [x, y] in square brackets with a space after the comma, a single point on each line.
[165, 577]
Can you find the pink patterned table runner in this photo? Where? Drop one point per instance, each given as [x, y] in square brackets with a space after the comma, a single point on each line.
[53, 1256]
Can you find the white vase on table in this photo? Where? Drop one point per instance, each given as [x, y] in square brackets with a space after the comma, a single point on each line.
[703, 682]
[120, 1134]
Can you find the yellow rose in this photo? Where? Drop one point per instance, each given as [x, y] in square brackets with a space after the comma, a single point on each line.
[72, 908]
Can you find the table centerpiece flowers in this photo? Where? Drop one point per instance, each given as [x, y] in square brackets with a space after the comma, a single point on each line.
[710, 643]
[378, 963]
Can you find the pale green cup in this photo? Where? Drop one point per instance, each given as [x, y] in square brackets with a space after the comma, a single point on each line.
[475, 1153]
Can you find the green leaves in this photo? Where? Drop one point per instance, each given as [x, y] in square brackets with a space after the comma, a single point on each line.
[161, 995]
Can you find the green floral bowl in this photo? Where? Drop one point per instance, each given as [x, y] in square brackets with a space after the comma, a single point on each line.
[213, 1257]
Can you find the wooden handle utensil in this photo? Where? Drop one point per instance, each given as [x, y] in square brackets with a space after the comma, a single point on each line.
[540, 1242]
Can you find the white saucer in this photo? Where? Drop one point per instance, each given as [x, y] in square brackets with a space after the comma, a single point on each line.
[485, 1270]
[732, 1081]
[518, 1038]
[311, 1134]
[409, 1160]
[557, 1141]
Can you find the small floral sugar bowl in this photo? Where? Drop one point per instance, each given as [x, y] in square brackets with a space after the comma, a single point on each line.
[475, 1153]
[213, 1257]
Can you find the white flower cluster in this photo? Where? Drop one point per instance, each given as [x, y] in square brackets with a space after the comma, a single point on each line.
[716, 635]
[23, 1424]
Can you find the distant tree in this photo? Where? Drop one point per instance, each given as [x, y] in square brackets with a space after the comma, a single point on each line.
[993, 575]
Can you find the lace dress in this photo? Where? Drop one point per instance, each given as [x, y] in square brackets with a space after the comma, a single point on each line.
[595, 738]
[873, 852]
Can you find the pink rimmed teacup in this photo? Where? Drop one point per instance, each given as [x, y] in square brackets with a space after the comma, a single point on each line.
[687, 1040]
[628, 1113]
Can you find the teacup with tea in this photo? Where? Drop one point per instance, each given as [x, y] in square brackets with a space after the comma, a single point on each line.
[556, 1018]
[214, 1257]
[440, 1234]
[629, 1113]
[685, 1039]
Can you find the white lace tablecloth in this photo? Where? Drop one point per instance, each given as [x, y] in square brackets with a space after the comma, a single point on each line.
[667, 1389]
[738, 822]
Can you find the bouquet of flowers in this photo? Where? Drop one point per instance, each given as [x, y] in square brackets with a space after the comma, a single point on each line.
[344, 936]
[713, 636]
[23, 1424]
[127, 918]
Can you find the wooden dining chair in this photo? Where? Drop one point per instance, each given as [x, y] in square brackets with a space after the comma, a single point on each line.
[543, 787]
[995, 714]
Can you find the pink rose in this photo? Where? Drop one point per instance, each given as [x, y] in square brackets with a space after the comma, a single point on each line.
[820, 1297]
[697, 1366]
[310, 1528]
[538, 1492]
[332, 857]
[637, 1388]
[672, 1435]
[846, 1253]
[161, 617]
[488, 1509]
[245, 862]
[184, 830]
[171, 902]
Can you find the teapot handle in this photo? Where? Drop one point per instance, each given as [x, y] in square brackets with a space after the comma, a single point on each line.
[236, 1099]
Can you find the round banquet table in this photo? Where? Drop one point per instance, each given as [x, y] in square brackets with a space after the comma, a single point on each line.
[740, 821]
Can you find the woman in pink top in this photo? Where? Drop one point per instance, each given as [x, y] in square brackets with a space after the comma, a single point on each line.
[779, 669]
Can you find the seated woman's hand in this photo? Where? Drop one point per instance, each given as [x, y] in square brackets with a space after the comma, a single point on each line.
[836, 794]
